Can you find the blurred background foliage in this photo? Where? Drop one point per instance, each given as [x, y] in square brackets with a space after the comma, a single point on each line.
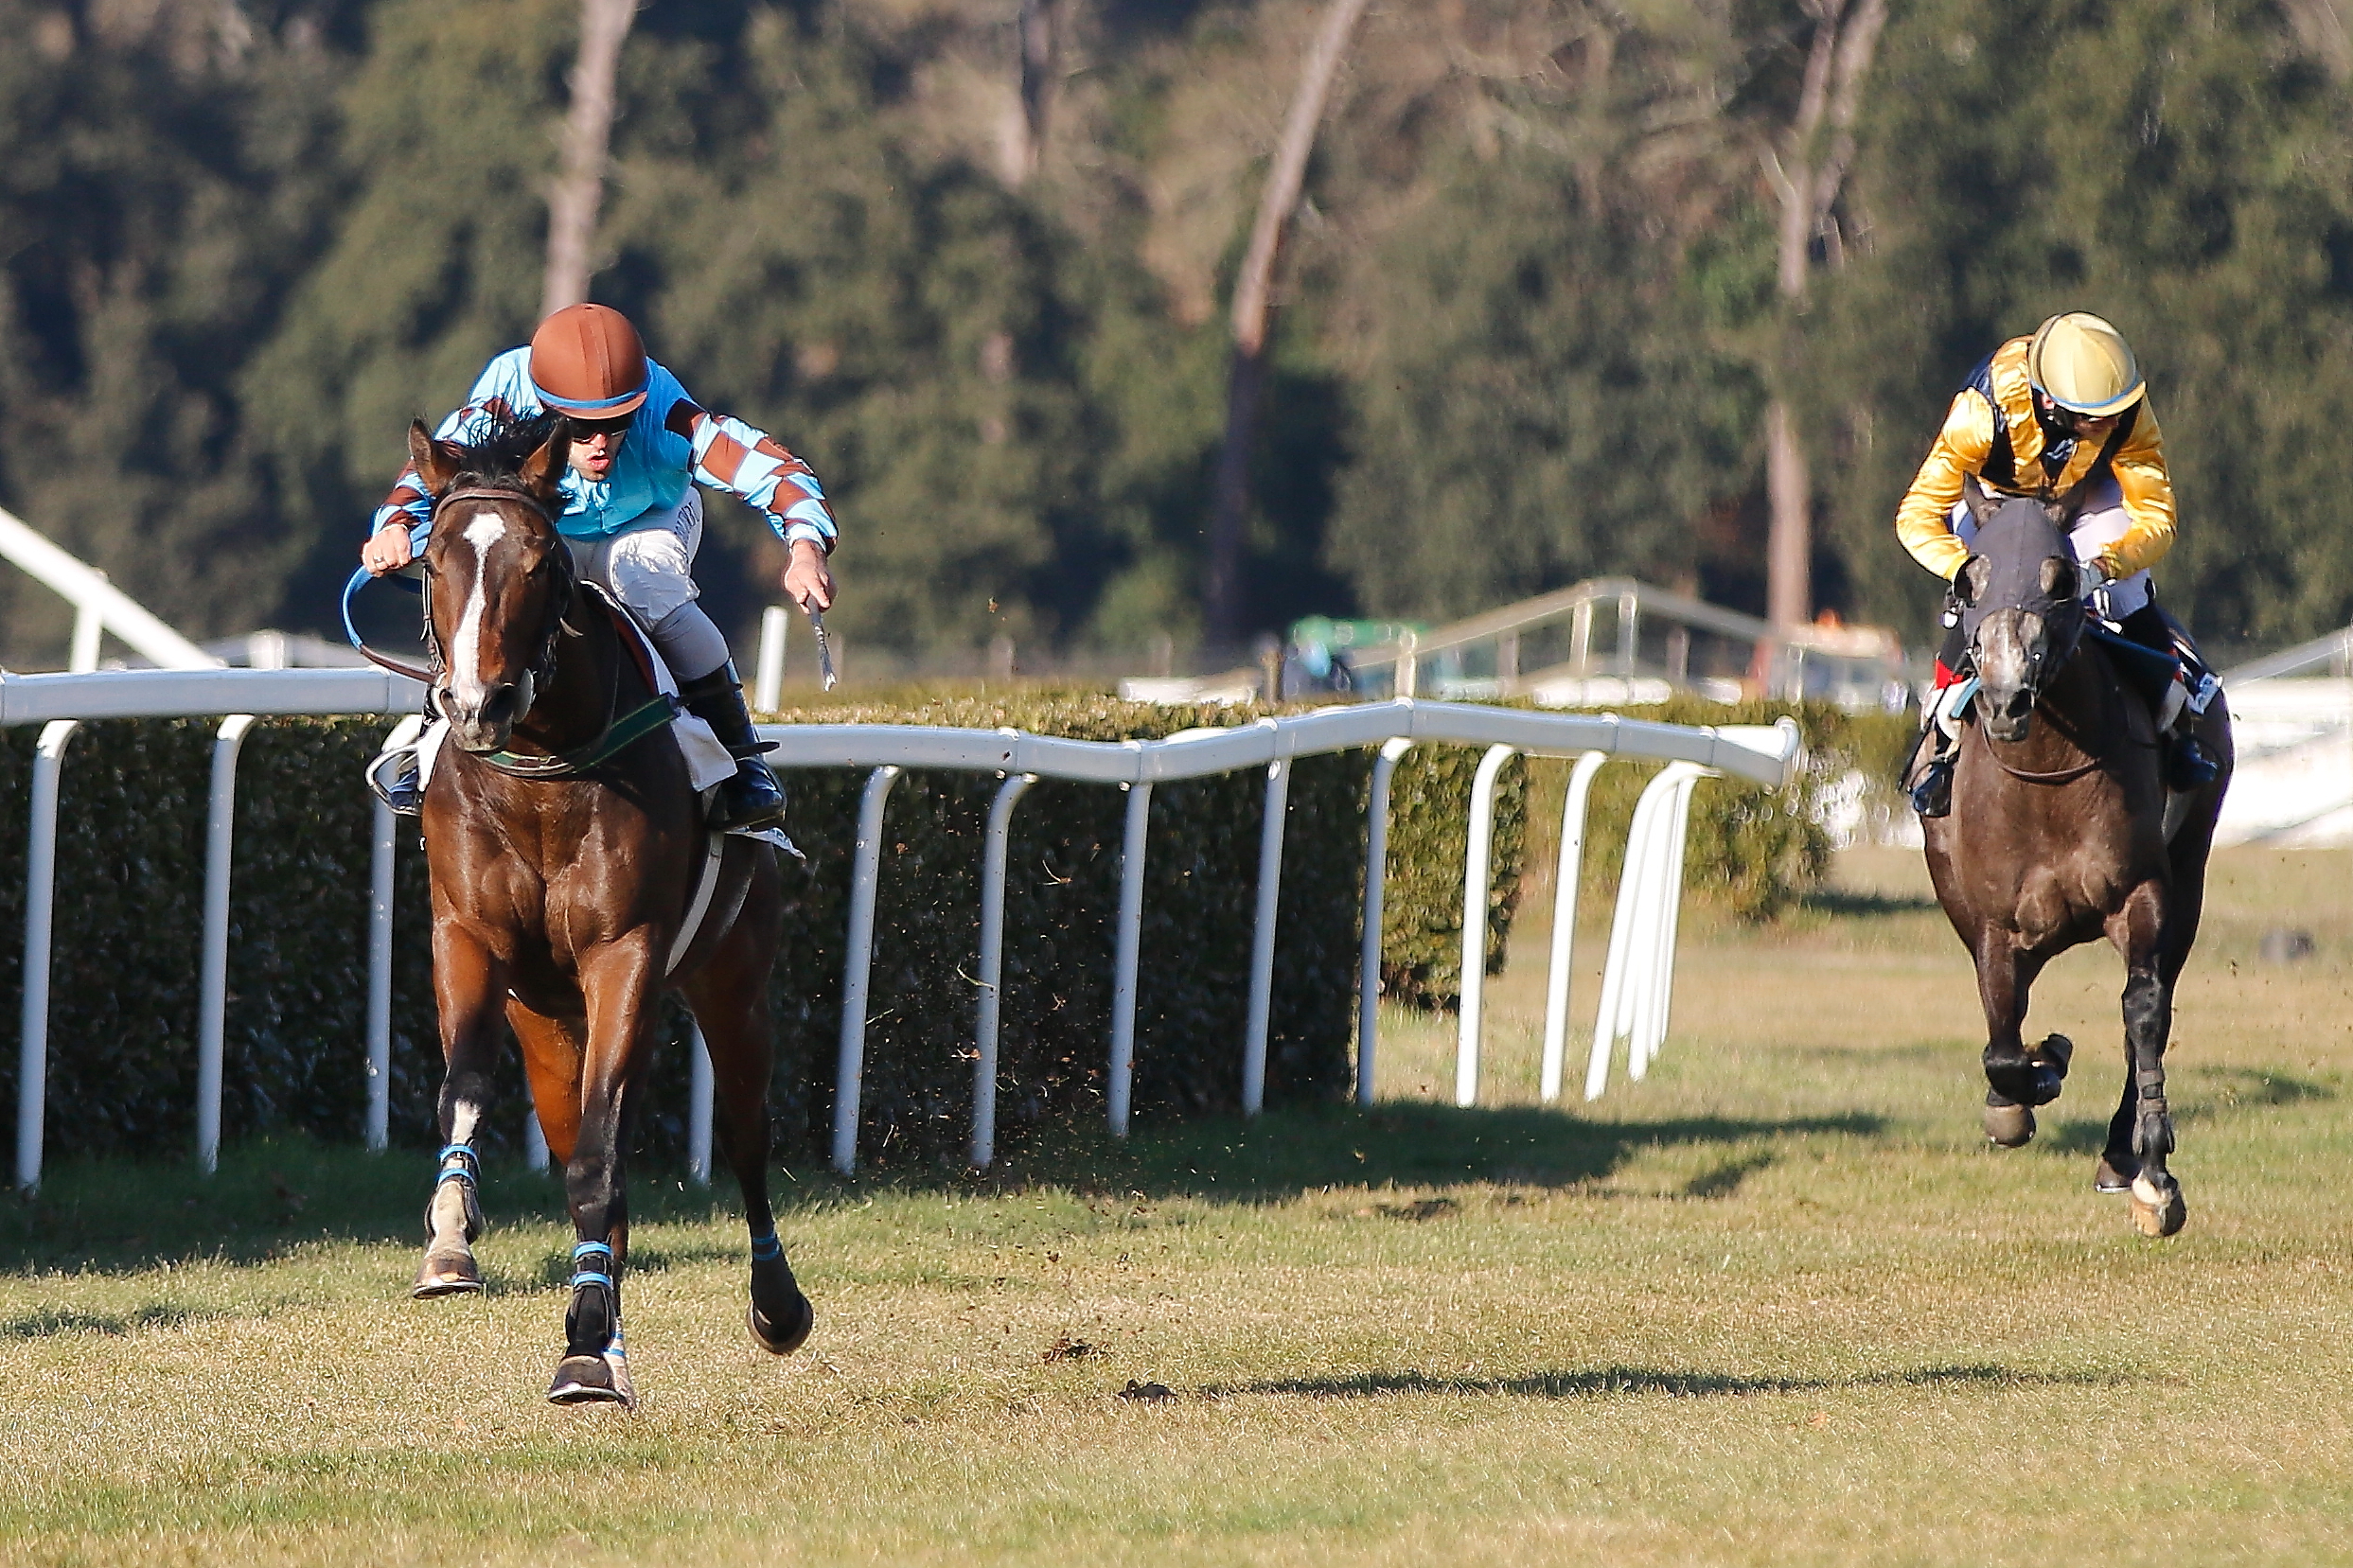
[1529, 324]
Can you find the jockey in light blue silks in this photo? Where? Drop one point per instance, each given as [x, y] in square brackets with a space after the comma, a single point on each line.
[632, 515]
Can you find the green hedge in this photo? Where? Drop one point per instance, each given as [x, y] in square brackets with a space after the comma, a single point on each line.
[131, 873]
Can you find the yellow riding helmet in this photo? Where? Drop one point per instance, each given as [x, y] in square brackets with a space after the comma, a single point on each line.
[2081, 362]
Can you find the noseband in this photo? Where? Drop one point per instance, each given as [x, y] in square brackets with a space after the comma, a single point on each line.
[542, 668]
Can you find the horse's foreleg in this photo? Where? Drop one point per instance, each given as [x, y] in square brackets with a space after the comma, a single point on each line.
[730, 998]
[2017, 1078]
[2157, 1205]
[619, 984]
[467, 983]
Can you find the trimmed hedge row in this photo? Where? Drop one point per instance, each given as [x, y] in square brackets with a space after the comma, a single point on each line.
[131, 873]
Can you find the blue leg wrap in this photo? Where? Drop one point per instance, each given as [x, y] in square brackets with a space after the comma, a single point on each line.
[766, 1247]
[459, 1163]
[588, 1276]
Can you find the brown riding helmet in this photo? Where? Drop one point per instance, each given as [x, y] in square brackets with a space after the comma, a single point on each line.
[587, 361]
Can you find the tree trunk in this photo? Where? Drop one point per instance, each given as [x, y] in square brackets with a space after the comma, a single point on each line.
[1225, 607]
[578, 191]
[1789, 499]
[1789, 491]
[1034, 40]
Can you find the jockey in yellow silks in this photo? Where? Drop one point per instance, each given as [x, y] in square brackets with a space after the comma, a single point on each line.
[2042, 414]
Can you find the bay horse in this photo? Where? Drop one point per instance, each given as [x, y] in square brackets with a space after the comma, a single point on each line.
[564, 840]
[2063, 832]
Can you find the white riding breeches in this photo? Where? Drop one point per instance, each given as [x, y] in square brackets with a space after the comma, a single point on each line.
[652, 567]
[651, 570]
[2101, 522]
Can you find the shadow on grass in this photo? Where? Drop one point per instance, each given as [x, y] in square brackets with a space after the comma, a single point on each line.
[270, 1199]
[1605, 1381]
[1407, 1143]
[1851, 904]
[57, 1320]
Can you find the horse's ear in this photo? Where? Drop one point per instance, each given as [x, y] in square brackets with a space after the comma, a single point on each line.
[1974, 496]
[544, 471]
[437, 461]
[2061, 581]
[1969, 585]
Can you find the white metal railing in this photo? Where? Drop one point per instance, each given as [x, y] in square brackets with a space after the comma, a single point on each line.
[2335, 650]
[1641, 969]
[1641, 962]
[99, 605]
[1501, 652]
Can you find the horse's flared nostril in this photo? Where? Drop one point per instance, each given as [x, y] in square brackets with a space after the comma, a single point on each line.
[498, 709]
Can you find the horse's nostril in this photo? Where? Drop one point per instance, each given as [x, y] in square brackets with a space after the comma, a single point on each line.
[498, 707]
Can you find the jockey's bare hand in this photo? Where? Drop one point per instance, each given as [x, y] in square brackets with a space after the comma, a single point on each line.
[387, 550]
[807, 582]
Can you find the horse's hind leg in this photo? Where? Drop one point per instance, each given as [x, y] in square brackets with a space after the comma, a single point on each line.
[730, 998]
[467, 985]
[2144, 1117]
[2018, 1077]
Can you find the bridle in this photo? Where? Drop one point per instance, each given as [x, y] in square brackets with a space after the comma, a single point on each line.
[541, 670]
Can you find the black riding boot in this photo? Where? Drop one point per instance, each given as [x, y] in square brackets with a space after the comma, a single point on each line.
[753, 798]
[1932, 788]
[2188, 764]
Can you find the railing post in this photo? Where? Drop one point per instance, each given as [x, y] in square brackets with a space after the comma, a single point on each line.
[1564, 921]
[1263, 937]
[1376, 890]
[1477, 853]
[701, 1089]
[32, 1083]
[1638, 968]
[213, 966]
[1408, 677]
[1628, 609]
[991, 966]
[1119, 1089]
[768, 687]
[865, 868]
[382, 871]
[89, 635]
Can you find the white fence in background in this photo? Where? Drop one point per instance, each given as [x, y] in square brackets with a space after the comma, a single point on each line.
[1635, 988]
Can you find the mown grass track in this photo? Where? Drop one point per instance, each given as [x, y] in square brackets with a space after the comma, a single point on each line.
[1777, 1304]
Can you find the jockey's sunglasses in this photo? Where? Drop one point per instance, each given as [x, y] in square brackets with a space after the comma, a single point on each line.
[588, 430]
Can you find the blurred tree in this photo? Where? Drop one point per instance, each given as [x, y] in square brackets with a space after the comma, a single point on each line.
[165, 187]
[2182, 168]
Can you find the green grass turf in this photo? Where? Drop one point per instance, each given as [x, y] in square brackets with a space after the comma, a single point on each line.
[1776, 1303]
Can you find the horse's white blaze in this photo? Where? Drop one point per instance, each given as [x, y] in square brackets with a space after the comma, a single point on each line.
[483, 533]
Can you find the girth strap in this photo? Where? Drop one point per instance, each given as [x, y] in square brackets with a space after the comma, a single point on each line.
[655, 712]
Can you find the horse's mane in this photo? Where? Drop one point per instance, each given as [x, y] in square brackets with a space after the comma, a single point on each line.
[496, 456]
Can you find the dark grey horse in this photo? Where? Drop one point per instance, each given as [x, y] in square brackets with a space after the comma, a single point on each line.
[2063, 832]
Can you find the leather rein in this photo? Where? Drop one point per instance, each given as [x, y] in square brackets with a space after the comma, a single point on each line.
[615, 733]
[2092, 761]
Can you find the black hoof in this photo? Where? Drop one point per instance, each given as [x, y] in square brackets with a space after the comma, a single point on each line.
[799, 1319]
[2108, 1176]
[2011, 1126]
